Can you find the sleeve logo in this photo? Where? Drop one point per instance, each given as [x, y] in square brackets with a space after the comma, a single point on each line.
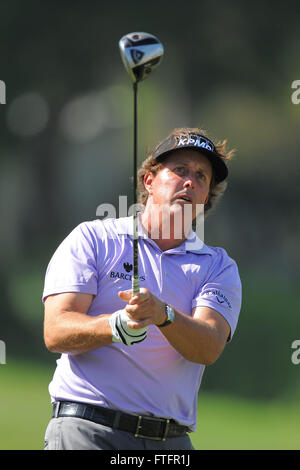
[221, 298]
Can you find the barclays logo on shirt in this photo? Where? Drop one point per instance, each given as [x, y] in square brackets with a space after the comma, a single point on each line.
[125, 276]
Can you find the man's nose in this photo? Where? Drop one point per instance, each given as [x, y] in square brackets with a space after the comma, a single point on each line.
[189, 182]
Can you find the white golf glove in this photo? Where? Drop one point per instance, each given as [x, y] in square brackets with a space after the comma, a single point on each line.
[121, 333]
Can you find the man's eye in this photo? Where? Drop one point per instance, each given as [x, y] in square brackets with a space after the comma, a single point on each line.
[201, 175]
[180, 169]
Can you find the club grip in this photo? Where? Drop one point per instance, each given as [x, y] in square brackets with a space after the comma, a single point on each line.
[135, 276]
[135, 285]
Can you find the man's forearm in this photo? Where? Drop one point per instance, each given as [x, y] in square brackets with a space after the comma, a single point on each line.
[75, 333]
[194, 339]
[197, 339]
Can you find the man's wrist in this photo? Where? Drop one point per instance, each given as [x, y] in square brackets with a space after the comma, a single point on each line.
[169, 316]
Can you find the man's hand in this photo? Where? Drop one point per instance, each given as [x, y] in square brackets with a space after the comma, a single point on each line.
[143, 309]
[122, 333]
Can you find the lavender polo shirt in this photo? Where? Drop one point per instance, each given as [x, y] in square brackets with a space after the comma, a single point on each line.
[151, 377]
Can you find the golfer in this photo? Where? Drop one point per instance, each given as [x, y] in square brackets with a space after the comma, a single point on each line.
[131, 366]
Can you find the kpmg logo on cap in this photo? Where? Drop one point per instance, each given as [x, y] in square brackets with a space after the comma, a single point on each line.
[195, 141]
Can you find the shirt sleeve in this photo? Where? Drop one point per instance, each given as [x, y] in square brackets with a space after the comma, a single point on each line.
[222, 290]
[73, 266]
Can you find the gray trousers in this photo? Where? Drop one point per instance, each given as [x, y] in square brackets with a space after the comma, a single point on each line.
[70, 433]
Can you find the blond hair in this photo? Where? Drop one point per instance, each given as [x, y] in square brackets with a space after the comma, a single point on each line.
[154, 166]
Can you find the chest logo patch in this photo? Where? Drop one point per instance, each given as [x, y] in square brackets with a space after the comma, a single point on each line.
[128, 267]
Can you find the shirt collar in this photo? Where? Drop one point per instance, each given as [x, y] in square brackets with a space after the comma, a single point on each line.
[192, 244]
[125, 227]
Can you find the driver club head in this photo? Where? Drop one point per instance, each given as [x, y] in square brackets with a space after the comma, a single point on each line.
[141, 53]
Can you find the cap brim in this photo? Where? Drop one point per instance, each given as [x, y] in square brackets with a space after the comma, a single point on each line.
[218, 164]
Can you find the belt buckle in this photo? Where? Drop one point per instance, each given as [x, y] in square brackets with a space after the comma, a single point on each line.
[56, 408]
[139, 426]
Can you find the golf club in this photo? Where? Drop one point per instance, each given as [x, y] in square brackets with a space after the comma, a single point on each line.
[141, 53]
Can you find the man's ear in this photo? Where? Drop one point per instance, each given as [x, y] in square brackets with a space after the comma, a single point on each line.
[148, 180]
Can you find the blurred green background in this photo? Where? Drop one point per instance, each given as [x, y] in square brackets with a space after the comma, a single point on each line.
[66, 146]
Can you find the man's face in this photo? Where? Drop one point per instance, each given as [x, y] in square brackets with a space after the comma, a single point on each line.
[184, 178]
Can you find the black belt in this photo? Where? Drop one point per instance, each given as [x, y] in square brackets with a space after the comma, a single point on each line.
[141, 426]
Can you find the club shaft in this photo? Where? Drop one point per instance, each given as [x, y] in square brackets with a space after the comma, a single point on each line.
[135, 277]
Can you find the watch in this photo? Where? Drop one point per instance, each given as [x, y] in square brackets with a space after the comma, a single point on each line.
[170, 316]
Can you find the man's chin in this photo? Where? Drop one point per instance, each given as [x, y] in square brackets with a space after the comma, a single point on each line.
[184, 209]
